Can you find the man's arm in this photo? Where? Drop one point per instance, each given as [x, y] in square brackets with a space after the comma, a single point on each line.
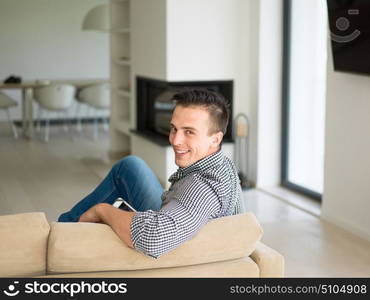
[157, 232]
[117, 219]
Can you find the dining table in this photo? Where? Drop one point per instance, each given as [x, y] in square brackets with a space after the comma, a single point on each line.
[27, 87]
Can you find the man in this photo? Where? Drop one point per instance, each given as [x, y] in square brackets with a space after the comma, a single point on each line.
[205, 186]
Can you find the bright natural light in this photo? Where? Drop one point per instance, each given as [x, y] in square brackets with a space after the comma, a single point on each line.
[308, 54]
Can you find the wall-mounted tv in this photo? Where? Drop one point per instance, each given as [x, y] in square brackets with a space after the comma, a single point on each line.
[349, 22]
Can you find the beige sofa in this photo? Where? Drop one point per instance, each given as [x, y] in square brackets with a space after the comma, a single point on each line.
[225, 247]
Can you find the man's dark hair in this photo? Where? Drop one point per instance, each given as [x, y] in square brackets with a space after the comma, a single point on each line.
[216, 105]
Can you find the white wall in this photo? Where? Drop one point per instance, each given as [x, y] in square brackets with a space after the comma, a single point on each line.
[42, 39]
[346, 199]
[269, 93]
[201, 39]
[148, 38]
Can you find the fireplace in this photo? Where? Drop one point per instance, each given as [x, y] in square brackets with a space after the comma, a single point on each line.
[154, 105]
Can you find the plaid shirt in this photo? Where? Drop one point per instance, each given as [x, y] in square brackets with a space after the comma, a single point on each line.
[205, 190]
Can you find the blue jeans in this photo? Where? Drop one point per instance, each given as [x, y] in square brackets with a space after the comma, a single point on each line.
[131, 179]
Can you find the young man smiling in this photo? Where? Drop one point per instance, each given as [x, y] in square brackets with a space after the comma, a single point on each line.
[205, 186]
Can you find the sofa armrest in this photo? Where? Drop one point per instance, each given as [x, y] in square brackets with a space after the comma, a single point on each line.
[269, 261]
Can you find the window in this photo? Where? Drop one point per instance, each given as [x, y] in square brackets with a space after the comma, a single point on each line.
[304, 82]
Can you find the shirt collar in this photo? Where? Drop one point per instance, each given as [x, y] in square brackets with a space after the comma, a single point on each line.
[207, 162]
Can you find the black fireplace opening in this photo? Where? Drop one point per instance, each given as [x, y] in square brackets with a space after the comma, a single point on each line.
[155, 106]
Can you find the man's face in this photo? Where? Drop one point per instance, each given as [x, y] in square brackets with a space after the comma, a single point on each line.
[189, 135]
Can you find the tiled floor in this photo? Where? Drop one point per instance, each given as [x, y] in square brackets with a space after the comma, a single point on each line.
[311, 247]
[35, 176]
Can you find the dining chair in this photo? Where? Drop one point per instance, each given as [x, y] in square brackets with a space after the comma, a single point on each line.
[96, 97]
[6, 103]
[56, 98]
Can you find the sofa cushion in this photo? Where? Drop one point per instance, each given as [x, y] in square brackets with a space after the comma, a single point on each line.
[88, 247]
[241, 267]
[23, 244]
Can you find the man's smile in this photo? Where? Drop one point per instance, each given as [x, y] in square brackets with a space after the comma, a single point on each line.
[181, 152]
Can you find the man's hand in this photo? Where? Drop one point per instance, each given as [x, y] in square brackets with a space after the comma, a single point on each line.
[90, 215]
[117, 219]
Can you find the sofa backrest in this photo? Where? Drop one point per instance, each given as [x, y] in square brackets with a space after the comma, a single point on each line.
[23, 242]
[90, 247]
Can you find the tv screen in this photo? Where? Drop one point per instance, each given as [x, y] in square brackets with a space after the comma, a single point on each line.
[349, 22]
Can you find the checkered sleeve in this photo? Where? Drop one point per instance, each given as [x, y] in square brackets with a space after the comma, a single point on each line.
[157, 232]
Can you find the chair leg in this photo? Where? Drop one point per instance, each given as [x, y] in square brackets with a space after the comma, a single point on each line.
[46, 137]
[39, 112]
[78, 123]
[65, 123]
[14, 129]
[95, 129]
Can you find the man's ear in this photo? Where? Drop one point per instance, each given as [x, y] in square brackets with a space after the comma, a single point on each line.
[217, 138]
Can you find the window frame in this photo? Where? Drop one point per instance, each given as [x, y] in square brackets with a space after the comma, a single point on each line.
[285, 109]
